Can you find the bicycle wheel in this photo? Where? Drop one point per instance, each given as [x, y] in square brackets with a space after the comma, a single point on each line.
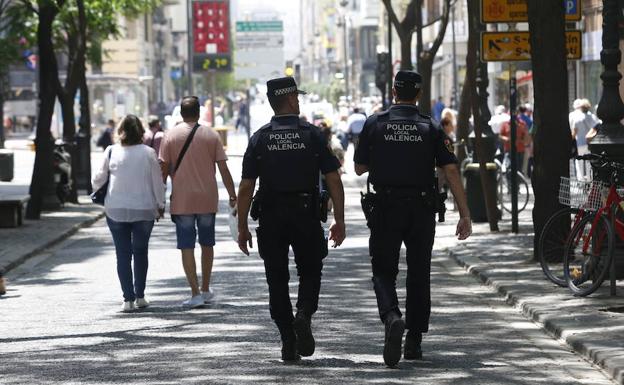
[552, 241]
[588, 254]
[523, 192]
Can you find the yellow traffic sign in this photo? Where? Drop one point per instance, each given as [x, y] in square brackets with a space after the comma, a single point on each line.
[515, 46]
[515, 11]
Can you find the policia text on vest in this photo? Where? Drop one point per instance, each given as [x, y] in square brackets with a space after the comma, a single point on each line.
[400, 149]
[287, 156]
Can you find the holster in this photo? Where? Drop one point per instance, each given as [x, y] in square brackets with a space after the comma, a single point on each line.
[370, 206]
[256, 206]
[439, 201]
[323, 204]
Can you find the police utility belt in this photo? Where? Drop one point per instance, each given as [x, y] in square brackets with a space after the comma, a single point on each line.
[372, 201]
[316, 202]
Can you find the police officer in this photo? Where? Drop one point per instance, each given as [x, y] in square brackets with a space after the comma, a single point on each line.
[400, 149]
[287, 155]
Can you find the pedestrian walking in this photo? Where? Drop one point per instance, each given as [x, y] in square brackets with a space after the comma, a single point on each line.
[355, 122]
[190, 154]
[106, 136]
[583, 125]
[135, 197]
[523, 140]
[437, 107]
[154, 137]
[403, 207]
[288, 156]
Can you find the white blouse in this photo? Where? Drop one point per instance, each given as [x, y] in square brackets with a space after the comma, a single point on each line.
[136, 190]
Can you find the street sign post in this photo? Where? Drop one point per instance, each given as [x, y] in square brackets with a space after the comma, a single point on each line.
[516, 11]
[514, 46]
[259, 49]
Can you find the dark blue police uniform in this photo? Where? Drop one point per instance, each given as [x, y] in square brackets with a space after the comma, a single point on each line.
[401, 148]
[287, 155]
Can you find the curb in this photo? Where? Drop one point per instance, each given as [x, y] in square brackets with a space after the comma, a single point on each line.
[584, 348]
[71, 231]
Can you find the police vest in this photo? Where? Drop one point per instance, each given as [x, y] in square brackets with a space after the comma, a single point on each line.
[402, 151]
[289, 158]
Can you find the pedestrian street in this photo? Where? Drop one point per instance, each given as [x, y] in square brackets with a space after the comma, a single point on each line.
[61, 321]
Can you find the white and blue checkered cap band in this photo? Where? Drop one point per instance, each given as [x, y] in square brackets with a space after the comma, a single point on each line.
[284, 91]
[401, 84]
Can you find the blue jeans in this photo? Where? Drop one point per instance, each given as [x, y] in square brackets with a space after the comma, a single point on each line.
[131, 240]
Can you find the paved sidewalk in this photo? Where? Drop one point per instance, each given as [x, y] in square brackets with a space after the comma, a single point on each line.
[503, 261]
[21, 243]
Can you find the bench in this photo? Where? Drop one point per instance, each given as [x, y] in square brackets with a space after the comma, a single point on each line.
[12, 210]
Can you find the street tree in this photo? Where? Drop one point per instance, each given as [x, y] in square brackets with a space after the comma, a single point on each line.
[411, 23]
[77, 30]
[42, 178]
[552, 139]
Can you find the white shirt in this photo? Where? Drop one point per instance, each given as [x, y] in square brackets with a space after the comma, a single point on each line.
[497, 121]
[583, 122]
[135, 190]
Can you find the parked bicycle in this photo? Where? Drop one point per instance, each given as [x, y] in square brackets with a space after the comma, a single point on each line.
[589, 250]
[503, 181]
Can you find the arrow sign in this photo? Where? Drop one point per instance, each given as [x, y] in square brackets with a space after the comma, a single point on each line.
[514, 46]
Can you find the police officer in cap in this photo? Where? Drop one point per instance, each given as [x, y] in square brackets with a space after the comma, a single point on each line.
[400, 149]
[288, 156]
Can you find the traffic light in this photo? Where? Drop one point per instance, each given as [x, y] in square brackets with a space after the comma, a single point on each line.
[289, 70]
[381, 71]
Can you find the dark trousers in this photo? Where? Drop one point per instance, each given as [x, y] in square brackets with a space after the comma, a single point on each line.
[281, 227]
[410, 221]
[131, 242]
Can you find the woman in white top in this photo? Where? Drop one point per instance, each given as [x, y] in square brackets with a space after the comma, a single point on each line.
[134, 199]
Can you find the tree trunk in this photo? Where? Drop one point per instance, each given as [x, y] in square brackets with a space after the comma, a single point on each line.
[425, 68]
[42, 184]
[552, 139]
[69, 138]
[489, 194]
[406, 50]
[85, 127]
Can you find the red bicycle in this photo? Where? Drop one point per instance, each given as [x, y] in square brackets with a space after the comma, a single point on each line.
[590, 247]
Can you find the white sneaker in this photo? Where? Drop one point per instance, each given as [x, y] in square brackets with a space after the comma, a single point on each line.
[141, 303]
[194, 302]
[208, 296]
[128, 306]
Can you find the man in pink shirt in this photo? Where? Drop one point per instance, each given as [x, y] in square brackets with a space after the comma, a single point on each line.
[194, 198]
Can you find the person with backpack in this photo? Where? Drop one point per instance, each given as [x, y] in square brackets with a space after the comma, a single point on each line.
[190, 154]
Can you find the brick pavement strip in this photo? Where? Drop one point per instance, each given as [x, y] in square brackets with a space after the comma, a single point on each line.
[503, 261]
[19, 244]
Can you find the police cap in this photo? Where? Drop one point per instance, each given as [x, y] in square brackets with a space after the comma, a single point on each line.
[407, 83]
[282, 86]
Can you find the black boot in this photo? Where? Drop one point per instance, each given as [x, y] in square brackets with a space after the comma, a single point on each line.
[413, 350]
[395, 326]
[289, 346]
[303, 330]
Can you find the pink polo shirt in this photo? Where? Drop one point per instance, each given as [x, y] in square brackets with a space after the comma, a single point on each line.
[194, 184]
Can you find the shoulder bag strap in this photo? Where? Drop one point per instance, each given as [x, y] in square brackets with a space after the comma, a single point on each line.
[186, 146]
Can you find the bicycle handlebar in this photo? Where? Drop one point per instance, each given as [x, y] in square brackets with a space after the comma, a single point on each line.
[606, 161]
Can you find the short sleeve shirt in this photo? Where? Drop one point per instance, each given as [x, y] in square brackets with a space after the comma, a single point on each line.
[399, 151]
[521, 135]
[194, 184]
[251, 166]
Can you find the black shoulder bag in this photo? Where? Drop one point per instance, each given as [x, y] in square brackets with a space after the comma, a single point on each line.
[99, 196]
